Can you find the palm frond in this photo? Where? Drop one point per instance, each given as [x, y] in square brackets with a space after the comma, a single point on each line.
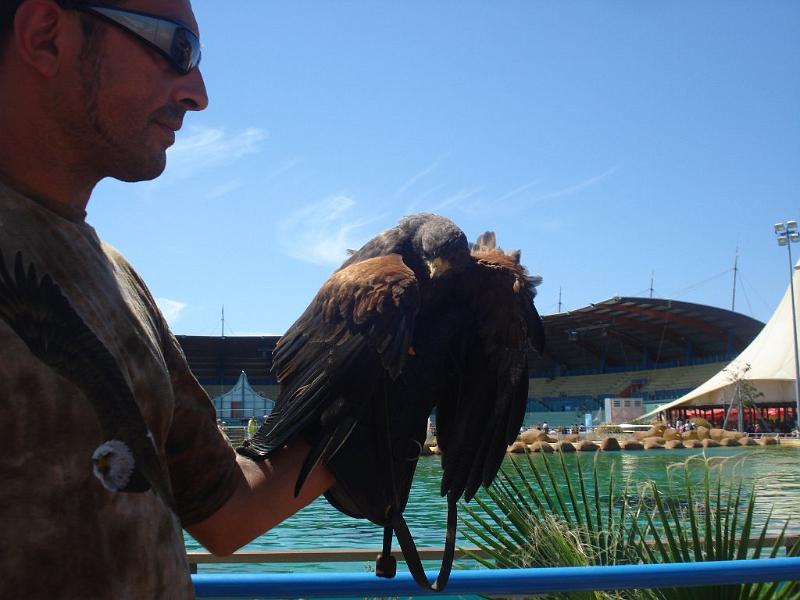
[543, 511]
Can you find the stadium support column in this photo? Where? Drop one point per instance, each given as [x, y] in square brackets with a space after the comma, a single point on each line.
[787, 235]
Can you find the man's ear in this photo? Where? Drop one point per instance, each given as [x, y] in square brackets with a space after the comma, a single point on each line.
[41, 35]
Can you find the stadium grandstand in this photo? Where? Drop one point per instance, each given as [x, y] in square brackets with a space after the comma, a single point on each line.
[624, 347]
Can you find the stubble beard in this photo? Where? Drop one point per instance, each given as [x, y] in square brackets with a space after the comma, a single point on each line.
[116, 146]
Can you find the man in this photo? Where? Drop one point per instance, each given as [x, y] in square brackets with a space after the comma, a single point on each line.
[89, 91]
[252, 427]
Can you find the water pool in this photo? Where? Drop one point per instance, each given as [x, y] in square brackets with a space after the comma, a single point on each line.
[775, 469]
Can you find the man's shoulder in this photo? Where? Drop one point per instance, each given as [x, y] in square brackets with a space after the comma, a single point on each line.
[116, 257]
[123, 265]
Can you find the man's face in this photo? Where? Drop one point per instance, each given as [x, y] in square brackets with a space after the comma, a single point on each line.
[129, 101]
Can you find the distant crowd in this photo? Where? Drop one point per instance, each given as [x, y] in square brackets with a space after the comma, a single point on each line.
[563, 429]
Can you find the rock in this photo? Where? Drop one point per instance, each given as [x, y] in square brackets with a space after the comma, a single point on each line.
[548, 438]
[709, 443]
[427, 450]
[693, 443]
[540, 447]
[734, 434]
[729, 441]
[565, 447]
[587, 446]
[746, 441]
[573, 437]
[767, 441]
[653, 443]
[532, 435]
[674, 445]
[435, 450]
[652, 432]
[671, 434]
[689, 435]
[654, 440]
[702, 432]
[517, 448]
[716, 434]
[632, 445]
[610, 444]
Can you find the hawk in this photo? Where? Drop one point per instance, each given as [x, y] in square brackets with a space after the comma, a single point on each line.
[415, 320]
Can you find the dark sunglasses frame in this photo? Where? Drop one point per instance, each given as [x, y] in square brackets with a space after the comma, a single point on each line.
[171, 39]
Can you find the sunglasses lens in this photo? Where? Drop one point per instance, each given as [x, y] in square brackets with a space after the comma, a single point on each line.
[185, 51]
[178, 44]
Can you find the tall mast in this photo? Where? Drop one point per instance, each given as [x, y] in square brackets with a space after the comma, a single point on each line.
[652, 277]
[222, 357]
[559, 298]
[735, 270]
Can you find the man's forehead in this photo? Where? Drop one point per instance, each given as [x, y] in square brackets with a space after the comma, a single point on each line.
[177, 10]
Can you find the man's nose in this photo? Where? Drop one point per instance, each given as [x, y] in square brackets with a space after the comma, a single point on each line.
[190, 91]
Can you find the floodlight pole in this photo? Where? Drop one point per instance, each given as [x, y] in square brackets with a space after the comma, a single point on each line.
[794, 337]
[785, 232]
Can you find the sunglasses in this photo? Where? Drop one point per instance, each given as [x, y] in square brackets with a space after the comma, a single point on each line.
[169, 38]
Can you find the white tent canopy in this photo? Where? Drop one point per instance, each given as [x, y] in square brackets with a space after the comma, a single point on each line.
[242, 402]
[767, 363]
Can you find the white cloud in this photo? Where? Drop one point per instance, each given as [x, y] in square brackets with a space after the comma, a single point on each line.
[283, 168]
[322, 232]
[516, 191]
[459, 197]
[403, 188]
[420, 201]
[202, 147]
[574, 189]
[224, 189]
[171, 309]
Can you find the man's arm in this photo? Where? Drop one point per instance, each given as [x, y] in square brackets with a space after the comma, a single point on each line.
[264, 497]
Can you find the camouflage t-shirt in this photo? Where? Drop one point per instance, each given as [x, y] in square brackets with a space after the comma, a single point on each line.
[62, 534]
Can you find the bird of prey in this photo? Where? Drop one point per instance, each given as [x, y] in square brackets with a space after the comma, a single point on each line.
[414, 320]
[39, 313]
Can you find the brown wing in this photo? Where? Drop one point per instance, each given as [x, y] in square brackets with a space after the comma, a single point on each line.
[485, 407]
[357, 329]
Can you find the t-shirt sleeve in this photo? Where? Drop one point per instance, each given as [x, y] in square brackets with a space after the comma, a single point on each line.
[201, 462]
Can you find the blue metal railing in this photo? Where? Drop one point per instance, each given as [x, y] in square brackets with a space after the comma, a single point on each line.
[500, 581]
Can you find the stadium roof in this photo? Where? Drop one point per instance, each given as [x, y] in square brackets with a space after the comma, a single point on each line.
[621, 333]
[625, 332]
[216, 360]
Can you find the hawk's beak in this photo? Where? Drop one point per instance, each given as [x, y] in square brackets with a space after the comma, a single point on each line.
[437, 267]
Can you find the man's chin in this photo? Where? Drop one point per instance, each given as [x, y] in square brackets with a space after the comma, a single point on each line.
[141, 171]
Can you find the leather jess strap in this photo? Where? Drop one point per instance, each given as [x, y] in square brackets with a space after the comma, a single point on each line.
[386, 565]
[411, 554]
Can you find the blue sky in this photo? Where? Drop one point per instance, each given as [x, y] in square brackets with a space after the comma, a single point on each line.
[610, 142]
